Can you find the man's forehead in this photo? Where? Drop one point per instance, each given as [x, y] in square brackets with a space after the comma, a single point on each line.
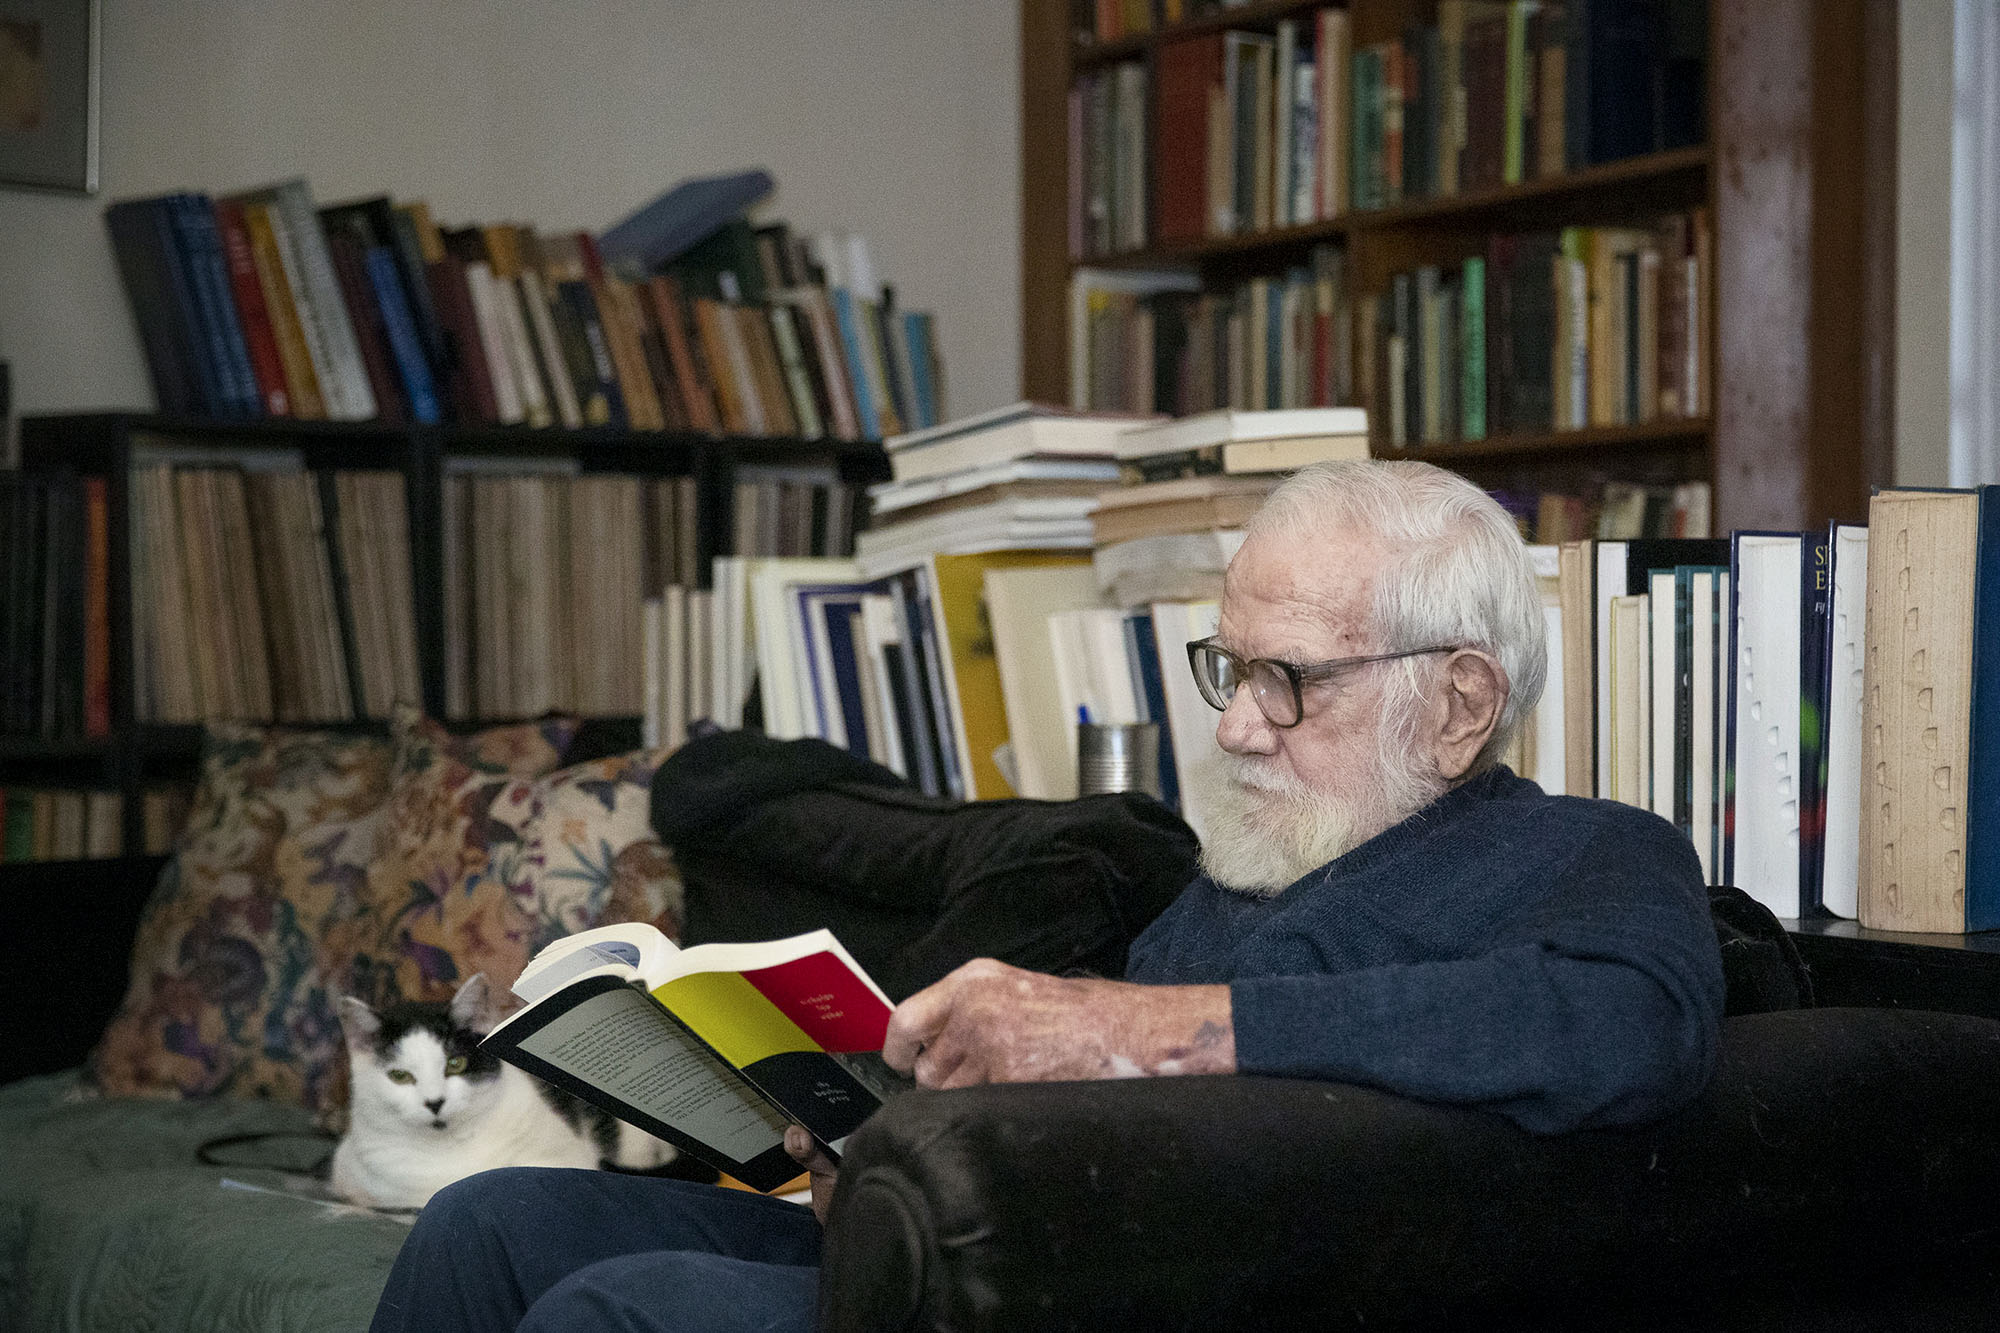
[1319, 589]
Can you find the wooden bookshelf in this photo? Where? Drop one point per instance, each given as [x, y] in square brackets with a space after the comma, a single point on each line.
[1794, 171]
[140, 752]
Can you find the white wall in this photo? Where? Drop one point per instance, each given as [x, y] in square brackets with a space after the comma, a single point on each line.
[895, 118]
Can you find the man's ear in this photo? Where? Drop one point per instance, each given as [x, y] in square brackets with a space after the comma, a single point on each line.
[1475, 692]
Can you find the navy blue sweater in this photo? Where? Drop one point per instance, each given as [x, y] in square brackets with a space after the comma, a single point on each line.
[1546, 957]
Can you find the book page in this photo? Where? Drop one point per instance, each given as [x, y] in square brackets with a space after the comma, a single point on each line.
[619, 1042]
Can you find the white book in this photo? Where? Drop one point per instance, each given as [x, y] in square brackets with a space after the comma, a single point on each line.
[1093, 669]
[652, 721]
[521, 353]
[481, 285]
[701, 655]
[1665, 690]
[674, 666]
[1765, 739]
[780, 647]
[1019, 603]
[1841, 868]
[1210, 429]
[1628, 661]
[1609, 582]
[881, 630]
[992, 439]
[729, 641]
[889, 496]
[1703, 698]
[1190, 721]
[1723, 647]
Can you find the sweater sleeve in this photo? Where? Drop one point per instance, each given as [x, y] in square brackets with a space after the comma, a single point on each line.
[1601, 1005]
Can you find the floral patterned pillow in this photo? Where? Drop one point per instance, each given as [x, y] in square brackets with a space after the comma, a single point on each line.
[479, 868]
[230, 992]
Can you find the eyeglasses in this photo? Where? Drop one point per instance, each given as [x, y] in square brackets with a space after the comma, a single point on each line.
[1277, 687]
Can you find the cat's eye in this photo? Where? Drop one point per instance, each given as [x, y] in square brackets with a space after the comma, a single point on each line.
[401, 1076]
[455, 1065]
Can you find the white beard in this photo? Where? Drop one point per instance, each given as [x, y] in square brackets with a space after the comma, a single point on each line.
[1267, 830]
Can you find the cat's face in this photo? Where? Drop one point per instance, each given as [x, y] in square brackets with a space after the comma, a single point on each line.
[419, 1066]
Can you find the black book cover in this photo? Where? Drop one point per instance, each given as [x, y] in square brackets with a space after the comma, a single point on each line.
[1815, 599]
[343, 610]
[576, 293]
[1531, 311]
[1500, 335]
[163, 333]
[1623, 41]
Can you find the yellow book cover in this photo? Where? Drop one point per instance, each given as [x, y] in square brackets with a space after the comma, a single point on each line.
[972, 677]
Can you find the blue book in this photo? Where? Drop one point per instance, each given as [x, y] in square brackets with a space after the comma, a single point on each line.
[848, 316]
[1982, 781]
[185, 309]
[680, 219]
[1144, 645]
[917, 330]
[194, 221]
[404, 343]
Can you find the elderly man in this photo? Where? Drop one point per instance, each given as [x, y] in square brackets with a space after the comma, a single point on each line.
[1383, 903]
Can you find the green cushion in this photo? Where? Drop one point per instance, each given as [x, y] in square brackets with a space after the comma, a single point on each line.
[108, 1222]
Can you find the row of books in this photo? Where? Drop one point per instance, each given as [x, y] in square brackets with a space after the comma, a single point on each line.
[262, 590]
[72, 824]
[264, 304]
[1558, 330]
[1246, 131]
[793, 511]
[1619, 511]
[55, 623]
[1283, 341]
[1818, 711]
[1589, 326]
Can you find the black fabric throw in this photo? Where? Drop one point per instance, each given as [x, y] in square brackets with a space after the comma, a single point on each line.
[774, 838]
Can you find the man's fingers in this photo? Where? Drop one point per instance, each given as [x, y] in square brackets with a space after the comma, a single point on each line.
[801, 1148]
[914, 1023]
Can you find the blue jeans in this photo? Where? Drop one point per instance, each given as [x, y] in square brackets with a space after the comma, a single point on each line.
[538, 1248]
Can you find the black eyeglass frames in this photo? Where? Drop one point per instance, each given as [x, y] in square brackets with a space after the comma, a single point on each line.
[1278, 688]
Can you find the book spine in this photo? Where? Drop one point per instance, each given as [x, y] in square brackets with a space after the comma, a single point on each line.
[848, 318]
[294, 352]
[1982, 780]
[141, 272]
[365, 320]
[350, 397]
[259, 336]
[97, 608]
[471, 381]
[195, 216]
[201, 348]
[1815, 597]
[404, 344]
[1472, 351]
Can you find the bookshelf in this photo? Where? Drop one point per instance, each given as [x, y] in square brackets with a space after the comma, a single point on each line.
[138, 752]
[1796, 171]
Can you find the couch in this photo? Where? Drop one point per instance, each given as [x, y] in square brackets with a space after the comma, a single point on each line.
[1841, 1164]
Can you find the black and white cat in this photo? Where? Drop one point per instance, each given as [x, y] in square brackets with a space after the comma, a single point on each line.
[428, 1107]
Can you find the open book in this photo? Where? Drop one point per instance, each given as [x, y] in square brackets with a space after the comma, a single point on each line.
[715, 1048]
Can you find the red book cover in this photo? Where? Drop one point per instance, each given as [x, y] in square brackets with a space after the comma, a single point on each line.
[258, 335]
[96, 608]
[1187, 71]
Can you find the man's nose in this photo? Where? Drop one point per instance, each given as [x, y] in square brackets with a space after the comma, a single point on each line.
[434, 1106]
[1243, 728]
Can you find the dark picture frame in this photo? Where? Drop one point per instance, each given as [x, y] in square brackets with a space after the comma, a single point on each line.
[49, 73]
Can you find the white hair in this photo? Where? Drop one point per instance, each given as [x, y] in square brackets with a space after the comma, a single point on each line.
[1460, 574]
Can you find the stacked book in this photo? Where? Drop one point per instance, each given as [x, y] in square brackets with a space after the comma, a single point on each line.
[265, 304]
[261, 590]
[1191, 485]
[1023, 476]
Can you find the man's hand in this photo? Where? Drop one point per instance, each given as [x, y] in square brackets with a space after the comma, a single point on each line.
[991, 1023]
[799, 1144]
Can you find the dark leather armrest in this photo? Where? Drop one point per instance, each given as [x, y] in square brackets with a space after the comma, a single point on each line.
[1828, 1139]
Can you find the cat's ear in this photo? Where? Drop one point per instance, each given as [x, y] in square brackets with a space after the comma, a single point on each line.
[359, 1022]
[471, 1008]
